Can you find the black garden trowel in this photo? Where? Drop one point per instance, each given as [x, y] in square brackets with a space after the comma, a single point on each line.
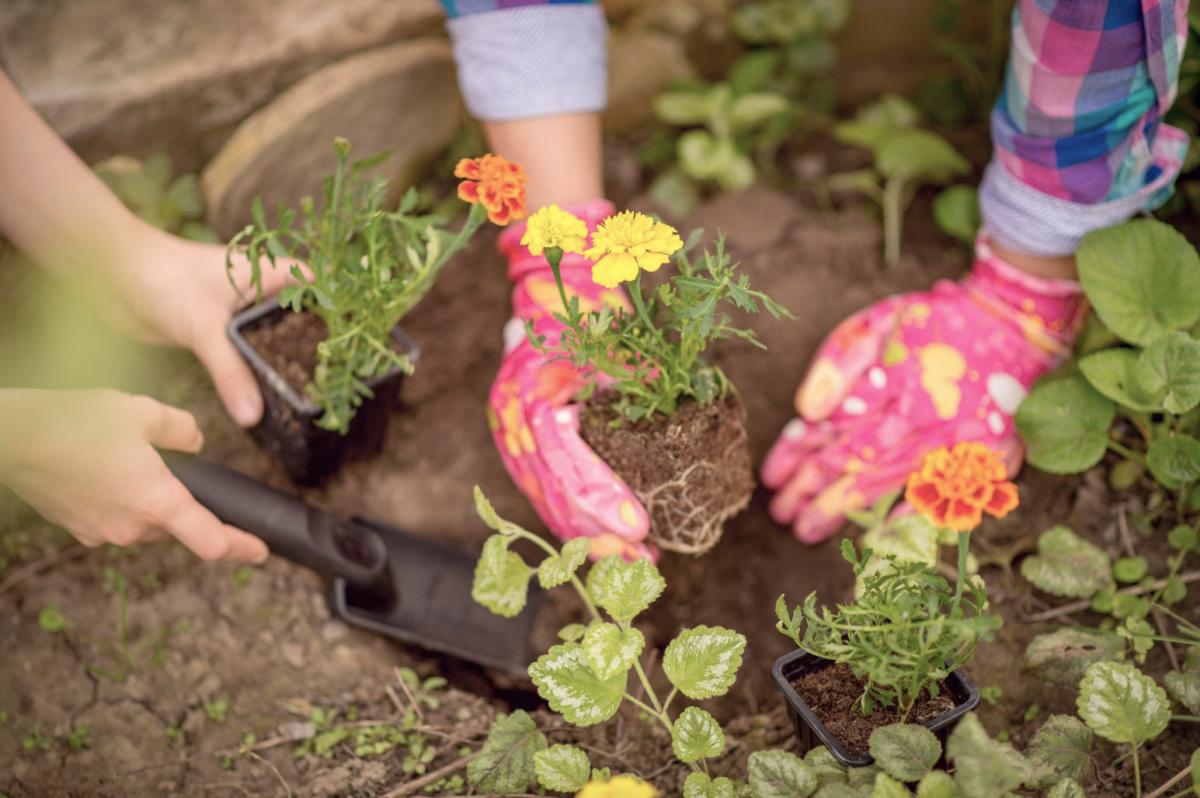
[385, 579]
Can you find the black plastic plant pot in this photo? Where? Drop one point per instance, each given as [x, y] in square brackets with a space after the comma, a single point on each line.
[810, 732]
[288, 430]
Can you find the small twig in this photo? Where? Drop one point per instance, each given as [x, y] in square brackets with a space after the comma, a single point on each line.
[414, 786]
[1178, 777]
[1083, 604]
[1160, 622]
[21, 574]
[287, 787]
[412, 699]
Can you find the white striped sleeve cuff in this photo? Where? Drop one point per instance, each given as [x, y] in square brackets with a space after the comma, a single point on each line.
[532, 61]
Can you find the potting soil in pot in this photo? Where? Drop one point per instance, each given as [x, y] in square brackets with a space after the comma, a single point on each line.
[832, 694]
[691, 471]
[288, 343]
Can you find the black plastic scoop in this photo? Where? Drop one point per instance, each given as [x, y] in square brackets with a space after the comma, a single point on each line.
[384, 579]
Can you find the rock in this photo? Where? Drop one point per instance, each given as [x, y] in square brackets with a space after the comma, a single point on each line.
[292, 654]
[641, 64]
[146, 76]
[402, 97]
[752, 220]
[332, 631]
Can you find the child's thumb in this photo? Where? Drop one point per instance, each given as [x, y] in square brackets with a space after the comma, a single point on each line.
[232, 378]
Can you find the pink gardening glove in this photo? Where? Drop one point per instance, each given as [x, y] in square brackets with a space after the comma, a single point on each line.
[910, 374]
[535, 426]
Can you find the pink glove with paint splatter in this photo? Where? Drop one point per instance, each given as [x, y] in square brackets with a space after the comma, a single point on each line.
[910, 374]
[534, 423]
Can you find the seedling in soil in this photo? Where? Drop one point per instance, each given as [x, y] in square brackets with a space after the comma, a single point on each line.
[906, 157]
[127, 656]
[684, 450]
[367, 267]
[216, 710]
[241, 576]
[38, 741]
[51, 619]
[77, 740]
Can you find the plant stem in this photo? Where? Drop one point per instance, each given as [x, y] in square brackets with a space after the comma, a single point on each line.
[1126, 452]
[554, 258]
[1186, 718]
[553, 552]
[1083, 604]
[964, 547]
[1178, 777]
[1137, 773]
[892, 219]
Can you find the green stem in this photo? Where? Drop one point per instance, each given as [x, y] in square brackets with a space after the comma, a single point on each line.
[649, 688]
[640, 306]
[1137, 773]
[964, 546]
[1126, 452]
[517, 531]
[893, 211]
[1186, 718]
[554, 258]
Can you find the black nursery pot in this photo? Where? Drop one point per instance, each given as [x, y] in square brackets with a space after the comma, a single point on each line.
[308, 453]
[811, 732]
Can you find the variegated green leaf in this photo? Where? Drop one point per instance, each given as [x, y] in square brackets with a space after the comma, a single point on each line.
[1062, 657]
[565, 681]
[703, 662]
[624, 589]
[887, 787]
[937, 784]
[778, 774]
[1067, 788]
[905, 751]
[1122, 704]
[609, 651]
[696, 735]
[983, 768]
[558, 570]
[562, 768]
[504, 765]
[501, 578]
[1067, 565]
[1061, 749]
[1184, 687]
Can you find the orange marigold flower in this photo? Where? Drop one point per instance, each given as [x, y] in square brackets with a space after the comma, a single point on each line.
[495, 183]
[955, 487]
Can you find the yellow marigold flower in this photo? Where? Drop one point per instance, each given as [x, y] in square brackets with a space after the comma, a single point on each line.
[551, 226]
[618, 787]
[955, 487]
[627, 242]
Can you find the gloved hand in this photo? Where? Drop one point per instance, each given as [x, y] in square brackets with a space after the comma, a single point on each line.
[910, 374]
[535, 426]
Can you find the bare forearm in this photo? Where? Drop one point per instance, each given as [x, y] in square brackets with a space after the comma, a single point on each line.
[52, 206]
[561, 154]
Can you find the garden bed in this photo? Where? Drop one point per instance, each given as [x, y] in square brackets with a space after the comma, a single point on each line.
[253, 651]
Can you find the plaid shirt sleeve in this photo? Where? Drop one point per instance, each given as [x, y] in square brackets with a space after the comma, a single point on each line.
[519, 59]
[1078, 132]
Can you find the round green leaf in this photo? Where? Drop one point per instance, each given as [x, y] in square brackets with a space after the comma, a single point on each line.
[696, 735]
[905, 751]
[1142, 278]
[609, 651]
[1175, 460]
[778, 774]
[1121, 704]
[562, 768]
[751, 110]
[1065, 425]
[1114, 373]
[1130, 569]
[983, 768]
[1170, 368]
[1182, 537]
[565, 681]
[703, 662]
[956, 211]
[1067, 565]
[624, 589]
[683, 108]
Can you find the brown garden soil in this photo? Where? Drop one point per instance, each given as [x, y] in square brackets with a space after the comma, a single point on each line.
[288, 344]
[832, 693]
[262, 639]
[690, 470]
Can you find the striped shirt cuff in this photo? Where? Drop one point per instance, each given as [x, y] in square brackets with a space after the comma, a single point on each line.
[532, 61]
